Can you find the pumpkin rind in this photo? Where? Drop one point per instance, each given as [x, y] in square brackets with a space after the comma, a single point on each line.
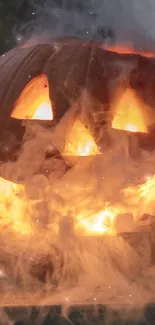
[16, 70]
[70, 67]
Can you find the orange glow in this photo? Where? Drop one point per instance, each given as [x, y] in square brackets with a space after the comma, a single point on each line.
[79, 142]
[131, 127]
[43, 112]
[136, 200]
[128, 50]
[97, 223]
[140, 198]
[128, 115]
[143, 190]
[13, 207]
[34, 101]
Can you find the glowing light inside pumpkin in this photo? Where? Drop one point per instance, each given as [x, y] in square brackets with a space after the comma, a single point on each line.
[128, 115]
[34, 101]
[131, 128]
[15, 209]
[98, 223]
[137, 200]
[79, 142]
[44, 112]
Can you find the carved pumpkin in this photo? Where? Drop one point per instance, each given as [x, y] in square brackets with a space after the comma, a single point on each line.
[43, 81]
[80, 91]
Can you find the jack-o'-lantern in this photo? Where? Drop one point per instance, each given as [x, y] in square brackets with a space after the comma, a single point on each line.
[65, 108]
[42, 82]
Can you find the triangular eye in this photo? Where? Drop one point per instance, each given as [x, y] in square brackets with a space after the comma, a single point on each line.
[129, 114]
[34, 101]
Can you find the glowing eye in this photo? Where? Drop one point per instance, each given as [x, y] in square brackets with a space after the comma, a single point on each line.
[34, 101]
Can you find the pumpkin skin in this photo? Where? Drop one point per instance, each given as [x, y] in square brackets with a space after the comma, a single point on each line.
[70, 67]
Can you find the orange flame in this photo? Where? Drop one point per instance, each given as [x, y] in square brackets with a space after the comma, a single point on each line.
[136, 199]
[80, 142]
[129, 115]
[34, 101]
[13, 207]
[128, 50]
[97, 223]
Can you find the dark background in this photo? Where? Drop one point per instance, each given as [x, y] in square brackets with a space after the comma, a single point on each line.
[22, 19]
[121, 21]
[13, 15]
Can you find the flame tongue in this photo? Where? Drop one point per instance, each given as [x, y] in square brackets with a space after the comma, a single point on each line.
[129, 114]
[80, 142]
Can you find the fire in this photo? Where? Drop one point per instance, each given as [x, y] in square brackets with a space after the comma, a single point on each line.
[43, 112]
[141, 194]
[80, 142]
[129, 115]
[13, 207]
[131, 127]
[136, 201]
[34, 101]
[14, 203]
[128, 50]
[15, 214]
[98, 223]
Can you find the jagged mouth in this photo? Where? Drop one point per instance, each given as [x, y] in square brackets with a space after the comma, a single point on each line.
[38, 213]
